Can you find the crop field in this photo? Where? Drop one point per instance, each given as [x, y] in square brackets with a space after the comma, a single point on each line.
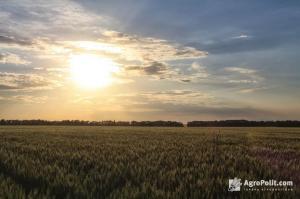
[141, 162]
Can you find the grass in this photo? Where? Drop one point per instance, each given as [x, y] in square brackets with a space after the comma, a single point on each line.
[138, 162]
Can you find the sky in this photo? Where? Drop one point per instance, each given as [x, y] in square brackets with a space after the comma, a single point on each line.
[150, 60]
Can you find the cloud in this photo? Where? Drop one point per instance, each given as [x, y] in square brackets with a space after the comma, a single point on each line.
[186, 80]
[128, 48]
[241, 70]
[151, 49]
[190, 110]
[233, 79]
[9, 58]
[241, 36]
[28, 99]
[142, 99]
[150, 56]
[16, 81]
[241, 43]
[12, 40]
[164, 71]
[180, 97]
[243, 75]
[183, 105]
[50, 33]
[246, 80]
[196, 66]
[153, 68]
[179, 104]
[251, 90]
[241, 81]
[49, 18]
[140, 55]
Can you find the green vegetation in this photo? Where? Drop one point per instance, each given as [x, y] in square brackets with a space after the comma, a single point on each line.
[141, 162]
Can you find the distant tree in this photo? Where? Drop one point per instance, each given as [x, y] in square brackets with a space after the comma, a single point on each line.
[243, 123]
[159, 123]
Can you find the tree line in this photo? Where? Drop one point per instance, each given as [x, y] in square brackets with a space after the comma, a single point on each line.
[159, 123]
[244, 123]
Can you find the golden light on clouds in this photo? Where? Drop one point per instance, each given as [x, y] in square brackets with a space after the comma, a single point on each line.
[97, 46]
[91, 71]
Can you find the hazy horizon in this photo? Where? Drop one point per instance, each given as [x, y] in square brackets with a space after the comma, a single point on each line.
[149, 60]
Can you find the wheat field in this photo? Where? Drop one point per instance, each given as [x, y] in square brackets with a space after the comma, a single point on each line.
[140, 162]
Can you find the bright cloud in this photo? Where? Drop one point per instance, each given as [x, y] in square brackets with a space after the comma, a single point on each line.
[9, 58]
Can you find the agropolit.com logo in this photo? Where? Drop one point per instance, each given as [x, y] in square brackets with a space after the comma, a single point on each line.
[237, 184]
[234, 184]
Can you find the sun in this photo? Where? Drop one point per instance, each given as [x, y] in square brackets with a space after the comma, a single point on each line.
[92, 71]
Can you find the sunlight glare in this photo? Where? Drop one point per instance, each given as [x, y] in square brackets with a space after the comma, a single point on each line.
[91, 71]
